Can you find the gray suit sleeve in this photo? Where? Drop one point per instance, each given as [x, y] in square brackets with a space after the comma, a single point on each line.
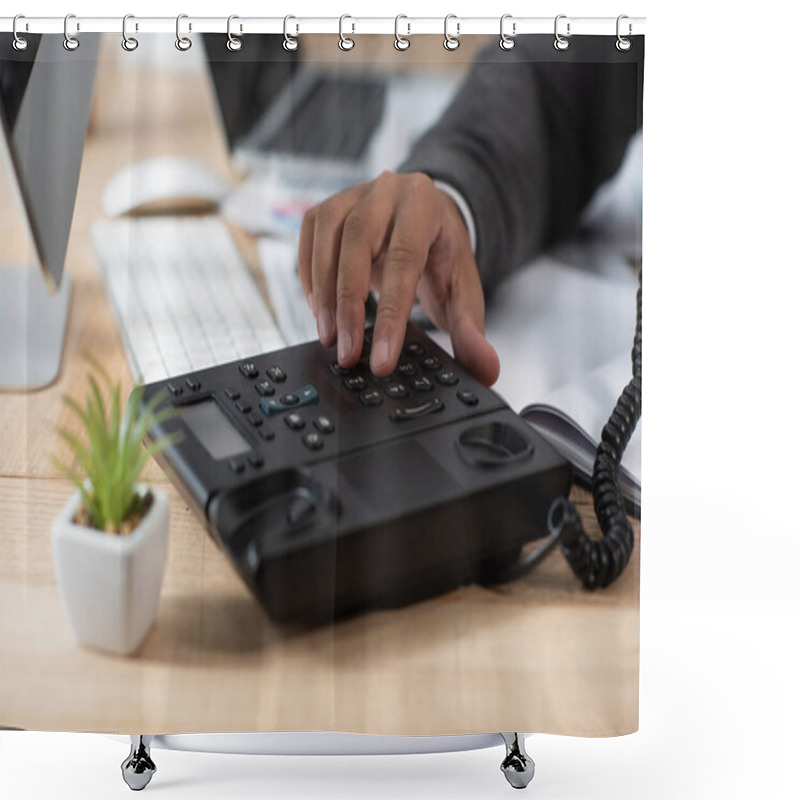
[527, 142]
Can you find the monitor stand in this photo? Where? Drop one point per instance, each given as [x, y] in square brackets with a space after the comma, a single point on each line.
[33, 324]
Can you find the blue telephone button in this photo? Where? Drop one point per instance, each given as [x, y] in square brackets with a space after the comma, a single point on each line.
[304, 396]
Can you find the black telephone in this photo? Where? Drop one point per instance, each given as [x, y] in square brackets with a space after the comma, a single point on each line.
[332, 490]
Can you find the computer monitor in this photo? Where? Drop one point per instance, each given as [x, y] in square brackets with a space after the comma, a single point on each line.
[45, 99]
[271, 103]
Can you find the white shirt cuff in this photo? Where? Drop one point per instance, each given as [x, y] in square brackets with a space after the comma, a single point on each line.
[463, 207]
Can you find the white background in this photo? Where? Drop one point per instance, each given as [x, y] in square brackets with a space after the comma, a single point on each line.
[720, 598]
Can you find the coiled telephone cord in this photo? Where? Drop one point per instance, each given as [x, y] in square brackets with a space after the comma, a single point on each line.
[597, 563]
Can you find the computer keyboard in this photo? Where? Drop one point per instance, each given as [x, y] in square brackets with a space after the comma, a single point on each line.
[183, 297]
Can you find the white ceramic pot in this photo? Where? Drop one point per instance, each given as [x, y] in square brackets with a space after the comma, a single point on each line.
[110, 584]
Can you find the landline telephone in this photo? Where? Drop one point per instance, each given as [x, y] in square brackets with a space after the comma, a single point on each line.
[332, 490]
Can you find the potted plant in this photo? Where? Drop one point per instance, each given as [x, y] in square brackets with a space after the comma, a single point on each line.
[110, 539]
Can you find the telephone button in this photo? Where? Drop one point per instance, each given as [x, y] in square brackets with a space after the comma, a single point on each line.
[337, 369]
[396, 390]
[313, 441]
[174, 389]
[406, 414]
[276, 373]
[324, 425]
[304, 396]
[407, 369]
[356, 383]
[193, 383]
[295, 421]
[422, 384]
[467, 398]
[264, 388]
[249, 370]
[372, 397]
[447, 377]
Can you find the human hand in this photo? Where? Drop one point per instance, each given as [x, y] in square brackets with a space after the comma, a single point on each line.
[400, 236]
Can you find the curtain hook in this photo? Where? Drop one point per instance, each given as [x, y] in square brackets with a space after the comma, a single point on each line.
[401, 42]
[234, 43]
[129, 43]
[70, 42]
[560, 42]
[507, 42]
[182, 42]
[289, 43]
[623, 44]
[345, 42]
[19, 42]
[451, 42]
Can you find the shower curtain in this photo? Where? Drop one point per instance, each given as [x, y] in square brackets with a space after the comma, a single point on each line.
[512, 175]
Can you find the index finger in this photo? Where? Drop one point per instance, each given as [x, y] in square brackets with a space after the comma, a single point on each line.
[405, 260]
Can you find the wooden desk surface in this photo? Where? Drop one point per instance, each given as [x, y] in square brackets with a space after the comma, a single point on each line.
[540, 654]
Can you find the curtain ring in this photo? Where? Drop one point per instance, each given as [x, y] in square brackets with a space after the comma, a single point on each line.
[401, 42]
[233, 44]
[19, 42]
[70, 42]
[129, 43]
[345, 42]
[451, 42]
[623, 44]
[289, 43]
[507, 42]
[182, 42]
[560, 42]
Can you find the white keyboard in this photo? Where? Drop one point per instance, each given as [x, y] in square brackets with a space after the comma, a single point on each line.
[182, 295]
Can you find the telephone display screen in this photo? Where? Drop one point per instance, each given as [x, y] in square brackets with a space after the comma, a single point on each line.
[209, 424]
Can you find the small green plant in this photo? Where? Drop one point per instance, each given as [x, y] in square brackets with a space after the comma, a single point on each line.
[109, 458]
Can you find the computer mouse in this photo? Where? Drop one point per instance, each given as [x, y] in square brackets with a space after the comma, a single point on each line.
[166, 185]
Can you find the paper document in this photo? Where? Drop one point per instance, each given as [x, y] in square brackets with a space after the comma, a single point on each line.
[572, 418]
